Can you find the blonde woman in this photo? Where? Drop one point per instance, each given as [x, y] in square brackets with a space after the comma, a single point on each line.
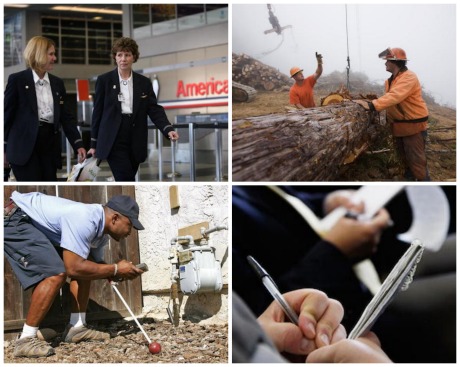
[34, 112]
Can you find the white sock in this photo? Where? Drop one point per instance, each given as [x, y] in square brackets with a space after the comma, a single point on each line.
[29, 331]
[78, 319]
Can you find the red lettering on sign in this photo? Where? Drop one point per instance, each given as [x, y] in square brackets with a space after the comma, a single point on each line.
[202, 88]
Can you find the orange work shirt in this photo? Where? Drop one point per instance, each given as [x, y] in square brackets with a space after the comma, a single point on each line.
[303, 94]
[406, 110]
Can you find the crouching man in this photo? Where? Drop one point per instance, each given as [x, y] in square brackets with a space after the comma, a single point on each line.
[46, 240]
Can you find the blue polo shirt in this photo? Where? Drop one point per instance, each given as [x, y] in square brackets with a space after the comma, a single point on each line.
[74, 226]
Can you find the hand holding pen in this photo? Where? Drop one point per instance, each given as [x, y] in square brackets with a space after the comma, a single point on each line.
[318, 318]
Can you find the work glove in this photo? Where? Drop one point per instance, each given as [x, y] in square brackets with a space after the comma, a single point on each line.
[319, 58]
[363, 104]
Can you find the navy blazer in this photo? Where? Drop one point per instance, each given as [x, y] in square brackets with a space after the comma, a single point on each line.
[106, 119]
[21, 118]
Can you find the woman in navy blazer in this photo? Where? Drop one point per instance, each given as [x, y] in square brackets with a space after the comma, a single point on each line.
[123, 100]
[34, 112]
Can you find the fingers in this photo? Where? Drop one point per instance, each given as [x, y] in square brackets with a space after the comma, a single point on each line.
[339, 334]
[291, 340]
[362, 350]
[319, 322]
[127, 270]
[328, 323]
[337, 198]
[362, 103]
[173, 135]
[381, 220]
[319, 316]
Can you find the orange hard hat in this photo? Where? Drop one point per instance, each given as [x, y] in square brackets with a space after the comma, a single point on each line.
[294, 70]
[393, 54]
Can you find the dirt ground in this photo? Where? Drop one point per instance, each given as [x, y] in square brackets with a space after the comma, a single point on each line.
[380, 162]
[186, 343]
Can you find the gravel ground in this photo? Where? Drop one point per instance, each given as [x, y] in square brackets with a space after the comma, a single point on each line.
[186, 343]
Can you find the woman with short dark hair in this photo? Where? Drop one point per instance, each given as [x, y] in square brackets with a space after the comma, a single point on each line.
[123, 100]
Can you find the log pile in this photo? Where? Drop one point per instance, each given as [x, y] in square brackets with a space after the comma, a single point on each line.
[249, 71]
[306, 145]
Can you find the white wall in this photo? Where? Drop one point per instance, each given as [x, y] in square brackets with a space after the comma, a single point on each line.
[198, 203]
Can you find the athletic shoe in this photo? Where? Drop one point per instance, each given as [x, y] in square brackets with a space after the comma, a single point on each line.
[82, 333]
[32, 348]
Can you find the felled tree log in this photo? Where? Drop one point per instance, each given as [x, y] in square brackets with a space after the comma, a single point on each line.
[304, 145]
[249, 71]
[242, 93]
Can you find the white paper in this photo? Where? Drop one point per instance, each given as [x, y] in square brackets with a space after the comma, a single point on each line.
[431, 216]
[374, 199]
[430, 219]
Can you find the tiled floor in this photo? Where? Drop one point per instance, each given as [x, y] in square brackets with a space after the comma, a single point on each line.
[150, 172]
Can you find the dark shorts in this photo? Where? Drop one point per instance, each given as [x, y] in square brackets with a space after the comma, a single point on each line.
[29, 252]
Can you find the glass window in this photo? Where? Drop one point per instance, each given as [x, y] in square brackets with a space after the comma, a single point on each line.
[82, 41]
[73, 41]
[12, 43]
[141, 20]
[50, 29]
[117, 32]
[216, 13]
[163, 19]
[140, 15]
[190, 16]
[168, 18]
[99, 43]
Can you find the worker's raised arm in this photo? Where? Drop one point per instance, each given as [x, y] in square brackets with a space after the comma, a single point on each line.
[319, 69]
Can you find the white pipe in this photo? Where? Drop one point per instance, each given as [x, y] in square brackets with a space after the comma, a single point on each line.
[131, 312]
[199, 248]
[218, 228]
[188, 238]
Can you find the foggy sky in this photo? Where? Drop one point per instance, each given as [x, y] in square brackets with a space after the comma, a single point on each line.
[426, 32]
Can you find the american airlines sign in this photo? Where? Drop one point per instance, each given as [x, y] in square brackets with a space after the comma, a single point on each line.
[210, 88]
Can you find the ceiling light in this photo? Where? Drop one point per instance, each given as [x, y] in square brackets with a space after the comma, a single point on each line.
[87, 10]
[16, 5]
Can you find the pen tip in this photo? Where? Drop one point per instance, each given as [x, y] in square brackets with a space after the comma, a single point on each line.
[256, 267]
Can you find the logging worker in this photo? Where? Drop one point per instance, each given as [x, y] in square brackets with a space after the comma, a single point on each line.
[406, 111]
[46, 240]
[301, 94]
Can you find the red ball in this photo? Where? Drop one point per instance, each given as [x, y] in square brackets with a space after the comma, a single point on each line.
[154, 348]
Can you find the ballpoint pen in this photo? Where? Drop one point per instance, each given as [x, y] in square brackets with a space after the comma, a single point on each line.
[273, 289]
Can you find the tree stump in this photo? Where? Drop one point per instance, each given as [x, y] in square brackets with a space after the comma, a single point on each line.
[304, 145]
